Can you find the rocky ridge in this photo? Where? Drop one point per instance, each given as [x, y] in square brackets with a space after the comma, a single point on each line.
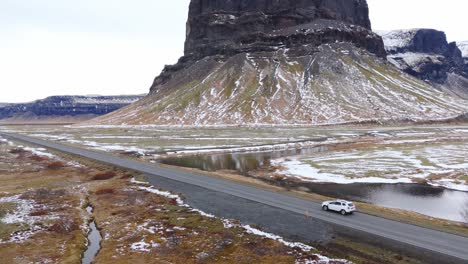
[427, 55]
[65, 106]
[285, 63]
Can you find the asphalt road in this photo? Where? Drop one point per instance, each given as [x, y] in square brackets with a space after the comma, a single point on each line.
[435, 241]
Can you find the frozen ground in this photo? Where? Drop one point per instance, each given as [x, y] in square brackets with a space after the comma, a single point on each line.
[435, 154]
[145, 247]
[402, 157]
[144, 139]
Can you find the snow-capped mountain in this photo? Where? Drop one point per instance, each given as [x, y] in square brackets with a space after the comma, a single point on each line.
[463, 46]
[283, 62]
[426, 54]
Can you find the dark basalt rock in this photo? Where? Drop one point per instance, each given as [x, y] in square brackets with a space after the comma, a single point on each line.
[224, 28]
[222, 23]
[424, 53]
[68, 106]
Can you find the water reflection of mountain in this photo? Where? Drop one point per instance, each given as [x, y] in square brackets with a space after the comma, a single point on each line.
[419, 190]
[241, 162]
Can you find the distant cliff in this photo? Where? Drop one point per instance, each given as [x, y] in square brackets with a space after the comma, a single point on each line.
[67, 107]
[426, 54]
[463, 46]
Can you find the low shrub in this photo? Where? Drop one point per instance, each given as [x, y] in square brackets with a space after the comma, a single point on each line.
[17, 151]
[38, 158]
[64, 226]
[39, 213]
[105, 191]
[55, 165]
[43, 194]
[127, 176]
[104, 176]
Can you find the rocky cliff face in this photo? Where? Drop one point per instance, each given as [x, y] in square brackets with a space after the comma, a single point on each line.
[223, 29]
[217, 26]
[426, 54]
[66, 106]
[307, 62]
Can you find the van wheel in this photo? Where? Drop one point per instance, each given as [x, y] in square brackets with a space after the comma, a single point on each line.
[325, 208]
[343, 212]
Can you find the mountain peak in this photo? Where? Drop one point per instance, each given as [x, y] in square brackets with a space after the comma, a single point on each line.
[284, 62]
[427, 55]
[226, 28]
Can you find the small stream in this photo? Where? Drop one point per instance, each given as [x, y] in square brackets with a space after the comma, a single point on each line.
[424, 199]
[94, 241]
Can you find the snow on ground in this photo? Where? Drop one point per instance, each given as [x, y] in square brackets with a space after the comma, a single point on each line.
[144, 247]
[270, 147]
[306, 172]
[55, 137]
[384, 165]
[21, 216]
[184, 148]
[6, 141]
[40, 152]
[257, 232]
[116, 137]
[108, 147]
[43, 153]
[451, 184]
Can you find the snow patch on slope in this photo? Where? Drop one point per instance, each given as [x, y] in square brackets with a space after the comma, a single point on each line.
[335, 85]
[397, 39]
[463, 46]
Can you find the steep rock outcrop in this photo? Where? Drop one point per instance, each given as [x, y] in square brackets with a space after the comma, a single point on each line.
[219, 24]
[330, 84]
[226, 28]
[426, 54]
[283, 62]
[70, 106]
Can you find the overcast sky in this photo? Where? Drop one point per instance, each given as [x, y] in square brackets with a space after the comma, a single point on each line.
[108, 47]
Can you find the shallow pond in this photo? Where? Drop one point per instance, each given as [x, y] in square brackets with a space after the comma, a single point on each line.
[428, 200]
[241, 162]
[424, 199]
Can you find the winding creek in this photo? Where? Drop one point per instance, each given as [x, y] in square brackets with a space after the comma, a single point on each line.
[425, 199]
[94, 241]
